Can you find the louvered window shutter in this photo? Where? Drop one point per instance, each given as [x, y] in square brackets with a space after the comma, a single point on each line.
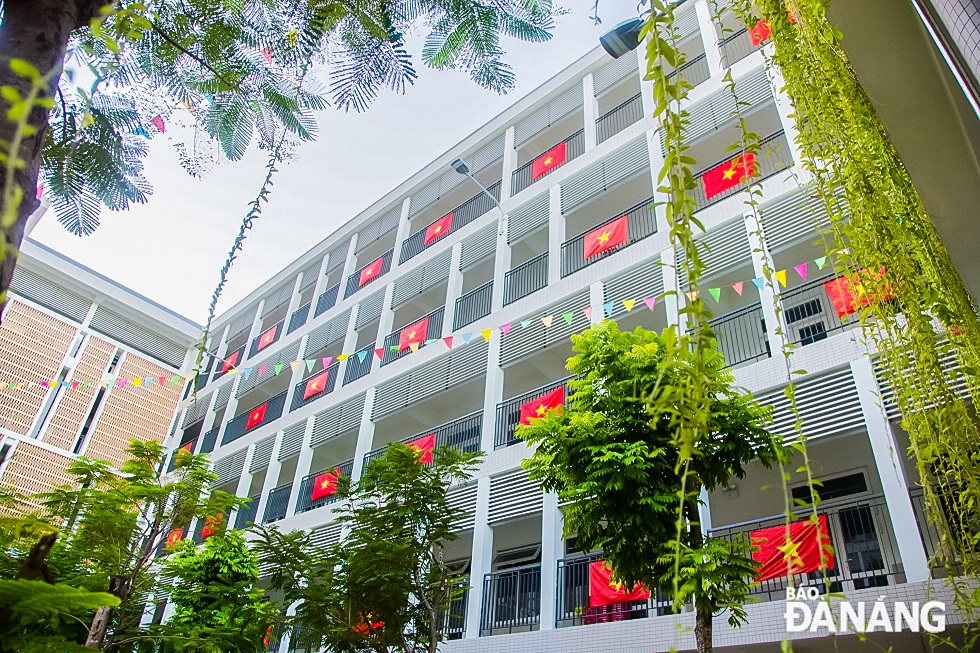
[292, 441]
[828, 405]
[721, 249]
[38, 289]
[514, 495]
[478, 247]
[138, 337]
[524, 341]
[547, 115]
[644, 281]
[339, 419]
[262, 454]
[378, 229]
[528, 218]
[421, 279]
[370, 309]
[620, 166]
[255, 379]
[327, 334]
[610, 74]
[230, 468]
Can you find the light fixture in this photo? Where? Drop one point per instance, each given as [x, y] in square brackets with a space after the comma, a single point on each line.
[623, 38]
[460, 166]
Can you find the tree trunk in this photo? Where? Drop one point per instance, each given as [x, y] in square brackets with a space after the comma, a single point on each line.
[703, 626]
[703, 605]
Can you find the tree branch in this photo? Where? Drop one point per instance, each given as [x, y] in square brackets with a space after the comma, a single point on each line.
[166, 37]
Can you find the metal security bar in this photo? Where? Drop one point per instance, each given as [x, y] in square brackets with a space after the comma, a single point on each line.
[473, 305]
[693, 72]
[526, 278]
[463, 214]
[641, 221]
[509, 412]
[299, 317]
[574, 148]
[453, 619]
[247, 513]
[305, 502]
[356, 367]
[326, 300]
[737, 46]
[236, 426]
[209, 440]
[254, 349]
[462, 434]
[809, 313]
[300, 388]
[354, 279]
[275, 507]
[741, 335]
[572, 598]
[619, 118]
[433, 332]
[511, 601]
[774, 157]
[220, 363]
[205, 374]
[864, 549]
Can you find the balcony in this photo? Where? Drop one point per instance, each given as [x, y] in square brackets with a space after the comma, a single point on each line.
[462, 215]
[326, 300]
[773, 157]
[358, 365]
[573, 598]
[175, 452]
[453, 619]
[354, 281]
[641, 222]
[299, 317]
[236, 427]
[462, 434]
[209, 440]
[509, 413]
[432, 332]
[741, 335]
[526, 278]
[474, 305]
[305, 503]
[275, 507]
[258, 344]
[511, 601]
[524, 176]
[619, 118]
[810, 315]
[246, 515]
[737, 46]
[300, 388]
[235, 356]
[694, 71]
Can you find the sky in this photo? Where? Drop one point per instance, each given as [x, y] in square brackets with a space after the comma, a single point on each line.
[171, 249]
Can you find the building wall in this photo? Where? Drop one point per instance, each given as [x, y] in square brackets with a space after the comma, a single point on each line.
[73, 407]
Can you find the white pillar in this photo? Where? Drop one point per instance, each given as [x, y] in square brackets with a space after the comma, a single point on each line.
[271, 478]
[244, 481]
[253, 332]
[404, 226]
[590, 109]
[646, 86]
[365, 434]
[709, 36]
[349, 266]
[784, 107]
[656, 155]
[387, 318]
[672, 301]
[556, 233]
[501, 264]
[293, 304]
[302, 468]
[775, 324]
[492, 394]
[350, 342]
[552, 550]
[596, 297]
[480, 559]
[893, 482]
[454, 288]
[509, 164]
[318, 288]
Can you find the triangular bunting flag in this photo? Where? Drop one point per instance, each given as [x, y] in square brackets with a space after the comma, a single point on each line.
[759, 282]
[801, 270]
[715, 293]
[628, 304]
[449, 341]
[486, 333]
[246, 372]
[525, 323]
[588, 313]
[781, 277]
[293, 364]
[692, 295]
[309, 364]
[650, 301]
[277, 368]
[822, 261]
[737, 287]
[327, 361]
[361, 355]
[394, 348]
[75, 384]
[505, 329]
[380, 353]
[467, 337]
[414, 346]
[342, 357]
[547, 320]
[607, 308]
[568, 316]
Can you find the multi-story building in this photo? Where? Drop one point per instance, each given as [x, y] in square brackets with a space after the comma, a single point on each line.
[71, 344]
[509, 285]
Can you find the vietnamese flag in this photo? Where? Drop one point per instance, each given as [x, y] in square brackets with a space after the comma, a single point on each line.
[539, 407]
[231, 361]
[212, 525]
[413, 334]
[606, 237]
[548, 161]
[325, 484]
[256, 416]
[183, 452]
[268, 337]
[603, 590]
[175, 536]
[728, 175]
[760, 32]
[848, 294]
[438, 229]
[370, 272]
[316, 385]
[801, 556]
[424, 445]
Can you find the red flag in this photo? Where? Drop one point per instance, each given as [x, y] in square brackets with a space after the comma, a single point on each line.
[760, 32]
[363, 628]
[539, 407]
[803, 556]
[268, 337]
[316, 385]
[425, 445]
[256, 416]
[438, 229]
[212, 525]
[268, 632]
[325, 484]
[157, 121]
[231, 361]
[183, 452]
[175, 536]
[606, 237]
[370, 272]
[548, 161]
[728, 175]
[603, 590]
[848, 294]
[412, 334]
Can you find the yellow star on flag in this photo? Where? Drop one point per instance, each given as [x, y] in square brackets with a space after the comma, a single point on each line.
[325, 484]
[437, 229]
[541, 410]
[411, 334]
[315, 385]
[255, 415]
[604, 237]
[728, 174]
[548, 161]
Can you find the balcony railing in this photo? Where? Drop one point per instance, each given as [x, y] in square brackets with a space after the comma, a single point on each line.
[299, 317]
[453, 619]
[641, 221]
[275, 507]
[619, 118]
[574, 148]
[205, 375]
[865, 553]
[326, 300]
[473, 305]
[573, 598]
[741, 335]
[254, 349]
[462, 434]
[356, 368]
[774, 157]
[810, 315]
[209, 440]
[175, 452]
[432, 331]
[236, 426]
[353, 281]
[509, 413]
[246, 514]
[305, 502]
[526, 278]
[511, 601]
[736, 47]
[694, 71]
[463, 214]
[219, 364]
[300, 388]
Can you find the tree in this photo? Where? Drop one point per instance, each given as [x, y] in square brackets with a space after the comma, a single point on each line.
[613, 457]
[385, 587]
[218, 606]
[227, 71]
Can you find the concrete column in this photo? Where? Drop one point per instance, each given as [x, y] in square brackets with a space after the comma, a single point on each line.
[350, 341]
[493, 393]
[365, 434]
[253, 332]
[302, 468]
[296, 375]
[596, 297]
[501, 265]
[646, 87]
[454, 288]
[784, 107]
[321, 281]
[672, 302]
[889, 466]
[704, 511]
[404, 226]
[244, 482]
[556, 233]
[656, 155]
[590, 109]
[480, 559]
[350, 264]
[293, 304]
[509, 164]
[775, 325]
[552, 550]
[230, 409]
[206, 426]
[271, 478]
[709, 36]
